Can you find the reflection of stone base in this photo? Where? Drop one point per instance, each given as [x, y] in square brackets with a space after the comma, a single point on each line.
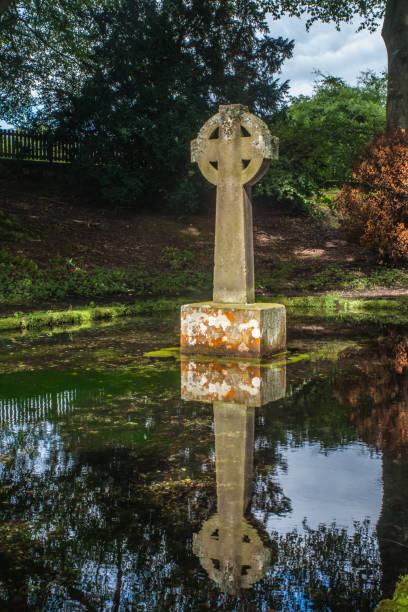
[238, 382]
[244, 330]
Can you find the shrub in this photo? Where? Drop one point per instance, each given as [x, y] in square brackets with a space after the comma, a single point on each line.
[319, 136]
[374, 207]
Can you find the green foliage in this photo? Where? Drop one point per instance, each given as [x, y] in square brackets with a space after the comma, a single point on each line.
[23, 282]
[176, 258]
[319, 136]
[42, 44]
[314, 276]
[399, 602]
[333, 277]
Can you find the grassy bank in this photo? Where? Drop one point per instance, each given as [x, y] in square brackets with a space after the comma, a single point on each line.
[22, 281]
[315, 275]
[336, 305]
[325, 307]
[86, 314]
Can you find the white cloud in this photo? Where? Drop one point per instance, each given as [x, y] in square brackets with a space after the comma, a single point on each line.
[344, 54]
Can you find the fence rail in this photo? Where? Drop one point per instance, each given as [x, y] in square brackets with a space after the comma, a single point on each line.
[36, 146]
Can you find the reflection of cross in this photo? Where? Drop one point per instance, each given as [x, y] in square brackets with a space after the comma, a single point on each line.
[228, 546]
[232, 150]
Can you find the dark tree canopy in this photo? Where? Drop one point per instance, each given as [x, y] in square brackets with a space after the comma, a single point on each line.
[159, 70]
[134, 80]
[45, 46]
[4, 5]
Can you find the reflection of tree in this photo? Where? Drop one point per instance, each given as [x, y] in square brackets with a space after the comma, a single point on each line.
[377, 391]
[76, 520]
[111, 525]
[106, 520]
[267, 493]
[327, 568]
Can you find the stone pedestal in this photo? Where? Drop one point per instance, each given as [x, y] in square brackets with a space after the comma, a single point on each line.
[241, 330]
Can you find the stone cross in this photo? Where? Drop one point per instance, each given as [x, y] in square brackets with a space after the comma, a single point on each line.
[233, 150]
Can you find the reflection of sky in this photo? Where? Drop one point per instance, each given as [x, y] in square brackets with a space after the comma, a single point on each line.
[344, 485]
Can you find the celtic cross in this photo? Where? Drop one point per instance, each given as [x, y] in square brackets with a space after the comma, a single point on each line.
[233, 149]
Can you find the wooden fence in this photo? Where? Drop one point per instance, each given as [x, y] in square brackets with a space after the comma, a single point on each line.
[36, 146]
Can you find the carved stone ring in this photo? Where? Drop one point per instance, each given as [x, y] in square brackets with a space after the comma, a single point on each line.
[257, 146]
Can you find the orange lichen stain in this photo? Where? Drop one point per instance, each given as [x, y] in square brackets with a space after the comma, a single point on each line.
[230, 395]
[218, 342]
[229, 316]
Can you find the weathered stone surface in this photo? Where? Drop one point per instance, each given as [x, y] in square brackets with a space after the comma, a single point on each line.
[252, 384]
[233, 150]
[257, 146]
[234, 160]
[252, 330]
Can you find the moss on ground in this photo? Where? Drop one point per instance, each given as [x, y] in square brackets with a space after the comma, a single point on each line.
[399, 602]
[85, 315]
[332, 306]
[325, 307]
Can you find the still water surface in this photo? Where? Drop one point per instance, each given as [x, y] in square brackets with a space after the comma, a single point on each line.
[127, 483]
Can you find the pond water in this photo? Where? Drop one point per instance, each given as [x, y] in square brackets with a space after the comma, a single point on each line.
[131, 480]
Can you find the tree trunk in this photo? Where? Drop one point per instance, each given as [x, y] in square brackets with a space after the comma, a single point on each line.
[395, 35]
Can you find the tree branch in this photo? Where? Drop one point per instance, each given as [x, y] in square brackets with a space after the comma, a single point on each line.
[48, 45]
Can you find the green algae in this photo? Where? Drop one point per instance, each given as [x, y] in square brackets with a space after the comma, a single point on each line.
[164, 353]
[399, 602]
[333, 306]
[286, 357]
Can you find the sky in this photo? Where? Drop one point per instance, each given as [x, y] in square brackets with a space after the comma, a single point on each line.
[343, 54]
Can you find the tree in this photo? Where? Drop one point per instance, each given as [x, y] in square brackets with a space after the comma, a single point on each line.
[136, 78]
[44, 46]
[373, 209]
[158, 70]
[320, 135]
[394, 33]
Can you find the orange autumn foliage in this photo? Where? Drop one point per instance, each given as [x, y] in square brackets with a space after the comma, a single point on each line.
[374, 208]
